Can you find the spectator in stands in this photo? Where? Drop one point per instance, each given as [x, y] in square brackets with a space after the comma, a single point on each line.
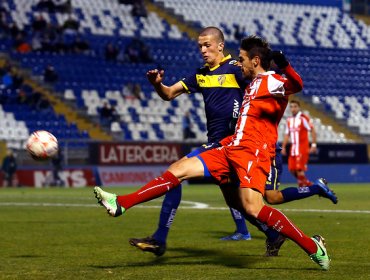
[14, 30]
[6, 80]
[16, 77]
[136, 91]
[111, 52]
[43, 104]
[297, 128]
[34, 98]
[51, 39]
[21, 45]
[50, 75]
[186, 127]
[71, 23]
[39, 24]
[21, 96]
[9, 167]
[138, 9]
[106, 114]
[132, 51]
[115, 115]
[57, 163]
[36, 44]
[63, 6]
[132, 91]
[70, 32]
[137, 51]
[81, 45]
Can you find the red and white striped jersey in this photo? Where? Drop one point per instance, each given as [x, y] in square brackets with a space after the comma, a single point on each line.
[297, 127]
[264, 103]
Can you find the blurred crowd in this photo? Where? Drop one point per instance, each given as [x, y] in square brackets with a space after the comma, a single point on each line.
[43, 36]
[13, 90]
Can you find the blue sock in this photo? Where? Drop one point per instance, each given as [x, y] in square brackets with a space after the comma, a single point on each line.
[270, 233]
[239, 220]
[293, 193]
[169, 206]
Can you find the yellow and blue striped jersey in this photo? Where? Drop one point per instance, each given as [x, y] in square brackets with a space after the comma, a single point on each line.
[222, 88]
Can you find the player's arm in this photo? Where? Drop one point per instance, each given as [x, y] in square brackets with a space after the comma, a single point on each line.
[167, 93]
[294, 82]
[313, 149]
[283, 145]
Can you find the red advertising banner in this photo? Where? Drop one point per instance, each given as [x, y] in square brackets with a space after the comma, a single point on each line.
[70, 177]
[139, 153]
[129, 175]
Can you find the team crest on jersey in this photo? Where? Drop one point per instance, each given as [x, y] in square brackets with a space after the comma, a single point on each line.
[221, 79]
[233, 62]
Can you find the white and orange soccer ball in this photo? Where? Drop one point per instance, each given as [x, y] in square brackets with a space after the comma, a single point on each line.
[42, 145]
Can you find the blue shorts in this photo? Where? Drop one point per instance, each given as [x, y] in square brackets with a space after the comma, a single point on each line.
[273, 180]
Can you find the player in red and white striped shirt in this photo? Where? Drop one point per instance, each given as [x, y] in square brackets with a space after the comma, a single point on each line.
[298, 127]
[247, 153]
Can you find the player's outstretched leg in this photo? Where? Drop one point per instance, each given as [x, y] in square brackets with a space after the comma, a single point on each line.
[319, 187]
[321, 257]
[149, 244]
[325, 190]
[109, 202]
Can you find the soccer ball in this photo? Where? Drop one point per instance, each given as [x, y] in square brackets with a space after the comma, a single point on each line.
[42, 145]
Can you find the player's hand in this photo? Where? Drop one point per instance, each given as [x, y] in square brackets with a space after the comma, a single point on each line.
[279, 58]
[283, 151]
[155, 76]
[313, 149]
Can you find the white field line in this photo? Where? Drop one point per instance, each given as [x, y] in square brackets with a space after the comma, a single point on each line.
[192, 205]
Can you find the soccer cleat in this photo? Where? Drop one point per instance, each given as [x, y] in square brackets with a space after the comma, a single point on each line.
[148, 244]
[273, 247]
[237, 236]
[325, 191]
[321, 257]
[109, 202]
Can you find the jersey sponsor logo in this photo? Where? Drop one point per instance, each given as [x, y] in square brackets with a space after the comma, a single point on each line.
[236, 109]
[201, 81]
[221, 79]
[217, 81]
[248, 179]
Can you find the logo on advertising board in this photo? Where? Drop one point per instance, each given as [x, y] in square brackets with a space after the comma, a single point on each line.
[141, 153]
[70, 177]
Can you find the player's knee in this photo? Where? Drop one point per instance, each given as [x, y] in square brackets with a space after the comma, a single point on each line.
[252, 210]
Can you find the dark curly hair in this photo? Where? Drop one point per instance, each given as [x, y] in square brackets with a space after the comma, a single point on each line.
[257, 46]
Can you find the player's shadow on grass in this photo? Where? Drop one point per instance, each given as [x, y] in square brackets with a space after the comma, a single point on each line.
[191, 256]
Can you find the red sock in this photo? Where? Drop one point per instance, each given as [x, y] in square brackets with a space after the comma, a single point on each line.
[303, 181]
[273, 218]
[153, 189]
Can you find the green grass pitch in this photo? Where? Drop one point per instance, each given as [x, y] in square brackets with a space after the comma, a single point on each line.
[60, 233]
